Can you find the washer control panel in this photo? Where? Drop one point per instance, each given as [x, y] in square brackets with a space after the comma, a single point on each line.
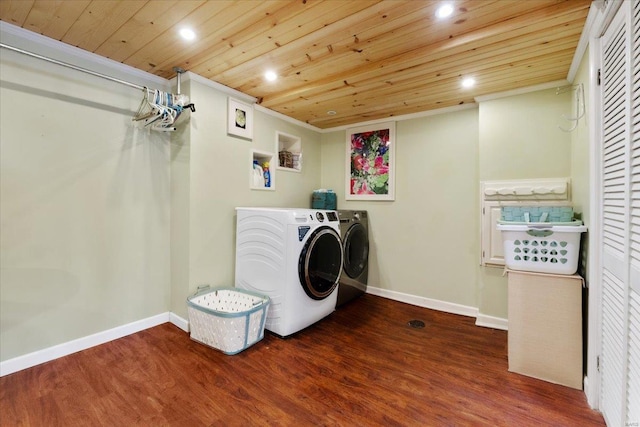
[313, 216]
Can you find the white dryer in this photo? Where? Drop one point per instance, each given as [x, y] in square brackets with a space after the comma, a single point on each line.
[295, 257]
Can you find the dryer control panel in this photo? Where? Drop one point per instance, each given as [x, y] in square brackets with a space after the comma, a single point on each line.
[332, 216]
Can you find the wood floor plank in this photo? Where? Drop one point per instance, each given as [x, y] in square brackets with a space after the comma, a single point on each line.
[362, 365]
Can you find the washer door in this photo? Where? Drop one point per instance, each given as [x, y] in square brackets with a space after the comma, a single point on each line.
[356, 250]
[320, 263]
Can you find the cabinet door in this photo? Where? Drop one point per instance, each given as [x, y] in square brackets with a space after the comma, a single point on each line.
[492, 248]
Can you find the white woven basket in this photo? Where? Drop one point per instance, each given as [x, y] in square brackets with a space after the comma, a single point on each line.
[227, 319]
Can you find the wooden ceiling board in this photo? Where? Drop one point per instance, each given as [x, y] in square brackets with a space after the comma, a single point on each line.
[285, 54]
[152, 20]
[449, 95]
[446, 93]
[423, 104]
[98, 21]
[316, 49]
[55, 17]
[428, 30]
[281, 34]
[428, 81]
[222, 38]
[15, 11]
[366, 59]
[422, 41]
[257, 39]
[406, 60]
[332, 95]
[168, 50]
[462, 57]
[345, 62]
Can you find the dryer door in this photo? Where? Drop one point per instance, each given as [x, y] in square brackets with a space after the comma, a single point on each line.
[356, 250]
[320, 263]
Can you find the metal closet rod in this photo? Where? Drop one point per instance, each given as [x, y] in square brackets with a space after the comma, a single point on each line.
[84, 70]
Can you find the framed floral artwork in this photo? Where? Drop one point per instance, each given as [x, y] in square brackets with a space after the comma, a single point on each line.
[370, 161]
[240, 119]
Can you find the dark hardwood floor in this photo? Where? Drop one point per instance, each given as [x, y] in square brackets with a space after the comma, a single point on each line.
[361, 366]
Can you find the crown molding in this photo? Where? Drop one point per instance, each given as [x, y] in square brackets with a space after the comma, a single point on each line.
[29, 41]
[522, 91]
[411, 116]
[219, 87]
[593, 18]
[287, 118]
[247, 98]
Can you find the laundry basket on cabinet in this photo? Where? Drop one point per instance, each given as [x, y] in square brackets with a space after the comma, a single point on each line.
[533, 243]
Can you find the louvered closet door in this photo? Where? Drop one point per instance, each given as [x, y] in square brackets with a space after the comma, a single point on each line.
[620, 156]
[633, 374]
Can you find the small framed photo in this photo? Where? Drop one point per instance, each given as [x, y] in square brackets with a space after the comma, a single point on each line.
[240, 119]
[370, 162]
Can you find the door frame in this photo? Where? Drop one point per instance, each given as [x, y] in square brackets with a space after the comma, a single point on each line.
[594, 269]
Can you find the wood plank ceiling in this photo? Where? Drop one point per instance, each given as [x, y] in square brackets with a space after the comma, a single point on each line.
[362, 59]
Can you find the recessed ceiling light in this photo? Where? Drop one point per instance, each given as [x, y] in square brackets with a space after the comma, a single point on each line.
[468, 82]
[270, 76]
[444, 11]
[187, 34]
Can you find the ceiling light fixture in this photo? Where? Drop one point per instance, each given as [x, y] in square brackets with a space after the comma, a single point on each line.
[271, 76]
[444, 11]
[468, 82]
[187, 34]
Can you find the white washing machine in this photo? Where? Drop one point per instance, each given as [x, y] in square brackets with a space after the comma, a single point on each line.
[295, 257]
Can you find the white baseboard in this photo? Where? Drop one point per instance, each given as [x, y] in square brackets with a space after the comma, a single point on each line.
[587, 390]
[492, 322]
[433, 304]
[179, 322]
[45, 355]
[448, 307]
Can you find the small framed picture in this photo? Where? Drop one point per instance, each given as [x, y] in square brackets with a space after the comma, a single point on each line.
[240, 119]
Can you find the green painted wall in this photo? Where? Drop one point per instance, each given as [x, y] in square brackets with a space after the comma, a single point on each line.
[426, 242]
[84, 207]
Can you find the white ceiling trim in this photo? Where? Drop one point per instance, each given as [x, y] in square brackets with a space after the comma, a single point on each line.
[522, 91]
[592, 18]
[404, 117]
[32, 42]
[287, 118]
[218, 86]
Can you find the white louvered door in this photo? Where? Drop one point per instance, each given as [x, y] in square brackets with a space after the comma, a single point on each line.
[615, 96]
[633, 367]
[620, 275]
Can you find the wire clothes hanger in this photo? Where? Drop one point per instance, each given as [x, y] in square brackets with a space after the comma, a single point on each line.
[159, 110]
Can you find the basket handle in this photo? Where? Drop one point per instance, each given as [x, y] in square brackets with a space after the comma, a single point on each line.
[539, 232]
[200, 289]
